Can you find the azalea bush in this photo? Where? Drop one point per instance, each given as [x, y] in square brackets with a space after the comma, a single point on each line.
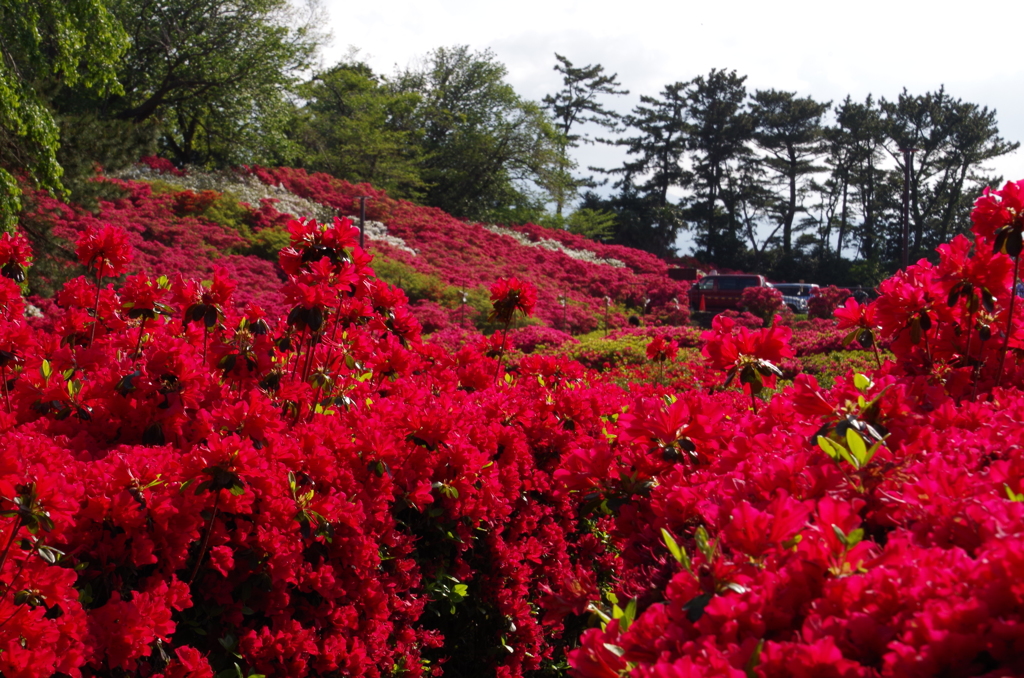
[825, 300]
[240, 495]
[582, 285]
[193, 483]
[763, 302]
[469, 256]
[814, 538]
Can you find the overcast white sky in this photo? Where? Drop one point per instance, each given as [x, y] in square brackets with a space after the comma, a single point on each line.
[825, 50]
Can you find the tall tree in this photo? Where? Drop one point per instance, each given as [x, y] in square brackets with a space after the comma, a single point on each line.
[720, 130]
[646, 218]
[215, 74]
[484, 146]
[788, 129]
[855, 155]
[951, 140]
[658, 145]
[574, 105]
[638, 221]
[44, 45]
[356, 128]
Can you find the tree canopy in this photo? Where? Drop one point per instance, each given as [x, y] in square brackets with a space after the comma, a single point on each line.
[357, 127]
[770, 180]
[574, 105]
[44, 45]
[483, 145]
[215, 74]
[819, 180]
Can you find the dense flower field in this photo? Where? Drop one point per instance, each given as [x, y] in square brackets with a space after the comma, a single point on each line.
[179, 230]
[191, 486]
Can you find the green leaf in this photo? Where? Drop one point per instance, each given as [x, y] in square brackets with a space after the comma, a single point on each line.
[703, 544]
[847, 457]
[829, 447]
[871, 452]
[849, 540]
[46, 369]
[678, 552]
[857, 447]
[630, 615]
[842, 535]
[852, 336]
[755, 658]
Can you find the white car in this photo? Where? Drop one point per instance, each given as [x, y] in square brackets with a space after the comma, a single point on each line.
[795, 295]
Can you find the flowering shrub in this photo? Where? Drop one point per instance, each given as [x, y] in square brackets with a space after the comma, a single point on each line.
[530, 339]
[162, 165]
[195, 486]
[763, 302]
[825, 300]
[836, 559]
[660, 350]
[467, 256]
[238, 478]
[744, 319]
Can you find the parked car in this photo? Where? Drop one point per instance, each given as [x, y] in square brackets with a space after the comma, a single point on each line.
[722, 292]
[795, 295]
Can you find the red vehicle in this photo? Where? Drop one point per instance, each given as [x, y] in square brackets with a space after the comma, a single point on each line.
[722, 292]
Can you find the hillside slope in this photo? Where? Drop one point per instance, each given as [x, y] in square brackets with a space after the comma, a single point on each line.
[194, 223]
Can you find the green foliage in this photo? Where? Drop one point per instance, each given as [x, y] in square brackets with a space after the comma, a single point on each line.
[357, 128]
[639, 221]
[593, 224]
[720, 129]
[266, 243]
[576, 103]
[952, 139]
[221, 95]
[162, 187]
[228, 212]
[44, 45]
[483, 145]
[789, 130]
[416, 285]
[594, 350]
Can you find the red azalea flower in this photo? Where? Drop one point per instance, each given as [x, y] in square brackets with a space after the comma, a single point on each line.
[15, 256]
[963, 270]
[749, 354]
[105, 250]
[854, 314]
[660, 350]
[12, 305]
[140, 295]
[995, 210]
[312, 241]
[509, 295]
[909, 300]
